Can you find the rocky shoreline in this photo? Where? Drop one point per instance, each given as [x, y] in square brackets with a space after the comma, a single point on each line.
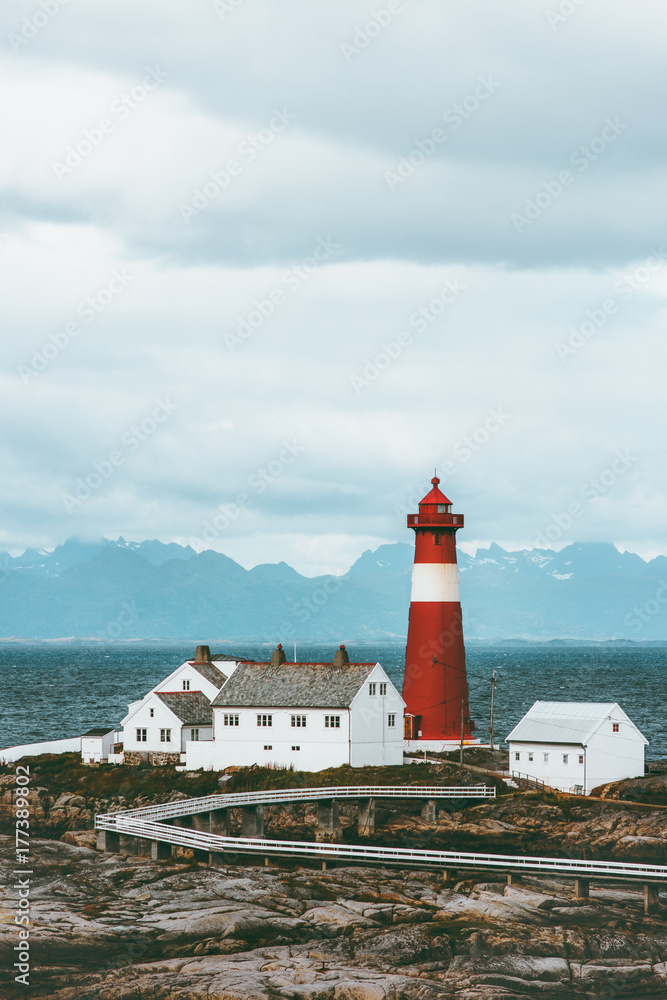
[125, 927]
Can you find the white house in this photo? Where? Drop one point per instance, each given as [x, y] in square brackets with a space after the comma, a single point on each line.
[576, 746]
[97, 744]
[162, 721]
[309, 715]
[165, 720]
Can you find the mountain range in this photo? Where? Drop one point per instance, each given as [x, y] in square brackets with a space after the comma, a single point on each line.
[118, 590]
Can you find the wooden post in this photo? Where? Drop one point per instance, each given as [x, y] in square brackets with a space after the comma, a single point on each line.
[493, 698]
[581, 888]
[651, 898]
[366, 820]
[514, 878]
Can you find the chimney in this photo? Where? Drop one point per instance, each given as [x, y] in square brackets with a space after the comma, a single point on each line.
[203, 655]
[278, 656]
[340, 657]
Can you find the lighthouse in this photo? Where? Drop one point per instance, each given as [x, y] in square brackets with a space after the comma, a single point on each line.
[435, 686]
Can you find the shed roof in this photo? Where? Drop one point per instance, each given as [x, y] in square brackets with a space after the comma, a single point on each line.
[566, 722]
[192, 707]
[100, 731]
[293, 685]
[210, 672]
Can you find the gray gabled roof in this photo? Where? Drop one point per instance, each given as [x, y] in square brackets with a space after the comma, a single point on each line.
[192, 707]
[293, 685]
[211, 673]
[572, 722]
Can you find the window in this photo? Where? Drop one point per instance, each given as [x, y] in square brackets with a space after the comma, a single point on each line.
[296, 748]
[142, 735]
[546, 758]
[152, 712]
[165, 736]
[517, 755]
[437, 537]
[566, 757]
[186, 685]
[298, 721]
[530, 756]
[332, 721]
[383, 688]
[268, 747]
[194, 734]
[371, 688]
[231, 720]
[391, 719]
[615, 727]
[264, 720]
[581, 758]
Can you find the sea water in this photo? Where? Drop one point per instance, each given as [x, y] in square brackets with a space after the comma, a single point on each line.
[55, 690]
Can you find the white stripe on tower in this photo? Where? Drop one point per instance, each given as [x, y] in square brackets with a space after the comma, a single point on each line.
[435, 582]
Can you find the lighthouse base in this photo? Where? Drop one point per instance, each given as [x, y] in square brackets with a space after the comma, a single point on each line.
[438, 746]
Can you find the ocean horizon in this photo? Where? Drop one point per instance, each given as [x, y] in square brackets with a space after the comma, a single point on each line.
[57, 689]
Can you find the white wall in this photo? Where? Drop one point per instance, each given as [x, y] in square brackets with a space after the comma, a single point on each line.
[554, 772]
[186, 672]
[373, 741]
[163, 718]
[97, 748]
[320, 747]
[10, 754]
[205, 735]
[614, 756]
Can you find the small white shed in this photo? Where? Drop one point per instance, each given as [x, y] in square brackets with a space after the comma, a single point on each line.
[97, 744]
[574, 746]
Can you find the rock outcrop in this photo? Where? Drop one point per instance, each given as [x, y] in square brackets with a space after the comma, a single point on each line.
[124, 928]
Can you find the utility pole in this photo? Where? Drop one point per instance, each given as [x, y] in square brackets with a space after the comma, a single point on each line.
[461, 751]
[493, 698]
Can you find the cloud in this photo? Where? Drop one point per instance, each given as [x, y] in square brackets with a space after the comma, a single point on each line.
[245, 220]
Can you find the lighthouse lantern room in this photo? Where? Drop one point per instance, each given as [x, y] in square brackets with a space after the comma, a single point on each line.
[435, 686]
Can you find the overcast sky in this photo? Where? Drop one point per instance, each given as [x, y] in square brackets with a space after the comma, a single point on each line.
[266, 264]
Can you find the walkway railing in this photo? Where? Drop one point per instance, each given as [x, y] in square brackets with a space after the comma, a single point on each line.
[360, 854]
[231, 800]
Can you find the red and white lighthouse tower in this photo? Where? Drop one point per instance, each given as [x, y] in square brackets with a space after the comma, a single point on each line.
[435, 686]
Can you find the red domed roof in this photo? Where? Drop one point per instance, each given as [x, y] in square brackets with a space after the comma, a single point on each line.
[436, 495]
